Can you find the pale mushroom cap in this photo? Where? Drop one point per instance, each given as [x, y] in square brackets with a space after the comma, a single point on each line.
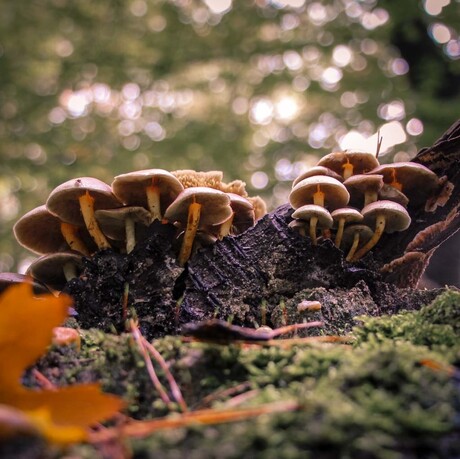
[63, 200]
[418, 182]
[390, 193]
[396, 217]
[215, 206]
[336, 195]
[112, 221]
[361, 161]
[260, 207]
[365, 233]
[311, 210]
[348, 214]
[364, 182]
[49, 268]
[244, 216]
[130, 188]
[317, 170]
[9, 279]
[40, 231]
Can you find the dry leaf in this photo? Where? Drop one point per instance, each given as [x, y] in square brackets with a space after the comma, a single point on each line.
[26, 330]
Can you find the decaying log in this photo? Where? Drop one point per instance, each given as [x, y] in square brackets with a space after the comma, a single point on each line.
[248, 278]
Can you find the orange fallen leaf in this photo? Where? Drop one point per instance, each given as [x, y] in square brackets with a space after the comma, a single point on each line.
[26, 330]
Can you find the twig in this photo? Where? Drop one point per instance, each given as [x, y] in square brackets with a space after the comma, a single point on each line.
[140, 429]
[148, 362]
[42, 380]
[206, 401]
[175, 390]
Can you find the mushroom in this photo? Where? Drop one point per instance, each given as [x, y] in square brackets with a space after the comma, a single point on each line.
[190, 178]
[76, 200]
[385, 216]
[195, 207]
[417, 182]
[259, 205]
[317, 170]
[317, 216]
[56, 269]
[9, 279]
[347, 163]
[42, 232]
[363, 185]
[65, 336]
[353, 235]
[154, 189]
[120, 224]
[319, 190]
[242, 217]
[389, 193]
[342, 216]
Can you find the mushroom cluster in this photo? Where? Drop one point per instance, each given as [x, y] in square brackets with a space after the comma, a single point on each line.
[350, 197]
[84, 215]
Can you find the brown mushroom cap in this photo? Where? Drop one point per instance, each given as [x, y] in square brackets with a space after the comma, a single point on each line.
[50, 268]
[308, 211]
[317, 170]
[362, 162]
[9, 279]
[390, 193]
[336, 195]
[396, 217]
[40, 231]
[64, 199]
[361, 184]
[365, 233]
[244, 215]
[348, 214]
[215, 206]
[130, 188]
[418, 182]
[112, 221]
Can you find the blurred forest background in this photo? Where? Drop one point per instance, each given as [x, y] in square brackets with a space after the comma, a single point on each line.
[257, 88]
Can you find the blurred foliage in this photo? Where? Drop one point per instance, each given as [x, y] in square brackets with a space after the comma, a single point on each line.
[258, 89]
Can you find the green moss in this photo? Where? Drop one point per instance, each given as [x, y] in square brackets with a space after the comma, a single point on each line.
[374, 399]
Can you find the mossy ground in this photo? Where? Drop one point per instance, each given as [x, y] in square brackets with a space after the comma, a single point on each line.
[394, 393]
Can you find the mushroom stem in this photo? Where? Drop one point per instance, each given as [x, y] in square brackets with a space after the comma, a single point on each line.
[194, 212]
[318, 197]
[87, 210]
[130, 233]
[379, 228]
[394, 181]
[313, 222]
[70, 234]
[153, 200]
[347, 169]
[70, 271]
[339, 234]
[370, 197]
[353, 247]
[226, 227]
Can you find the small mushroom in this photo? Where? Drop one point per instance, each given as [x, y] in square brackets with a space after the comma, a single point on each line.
[76, 200]
[417, 182]
[353, 235]
[9, 279]
[195, 207]
[348, 163]
[259, 205]
[342, 216]
[389, 193]
[56, 269]
[65, 336]
[317, 216]
[319, 190]
[385, 216]
[363, 185]
[120, 224]
[242, 217]
[154, 189]
[317, 170]
[42, 232]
